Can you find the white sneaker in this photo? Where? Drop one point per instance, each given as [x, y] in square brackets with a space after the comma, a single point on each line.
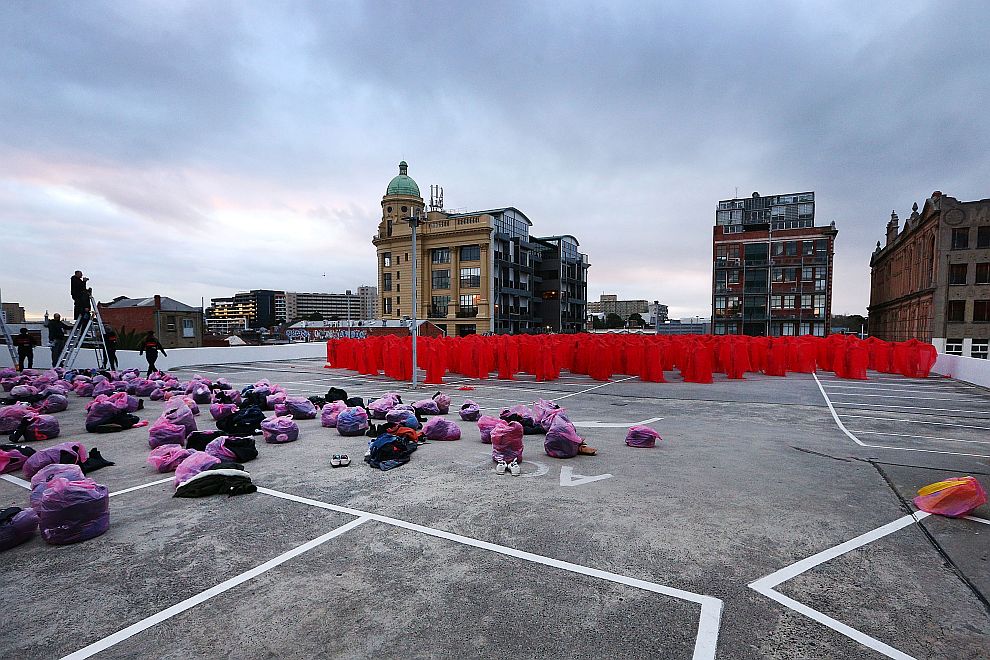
[514, 468]
[500, 468]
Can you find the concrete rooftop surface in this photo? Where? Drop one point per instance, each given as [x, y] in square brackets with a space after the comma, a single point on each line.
[774, 520]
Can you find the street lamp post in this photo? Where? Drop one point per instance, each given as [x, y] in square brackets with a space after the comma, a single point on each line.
[347, 302]
[413, 221]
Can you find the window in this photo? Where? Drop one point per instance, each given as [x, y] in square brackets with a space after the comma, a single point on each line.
[806, 301]
[441, 279]
[388, 227]
[187, 328]
[441, 255]
[821, 246]
[398, 287]
[386, 305]
[398, 274]
[775, 302]
[805, 328]
[791, 248]
[386, 281]
[983, 273]
[720, 306]
[953, 346]
[807, 274]
[957, 273]
[983, 237]
[787, 329]
[470, 277]
[960, 238]
[386, 259]
[732, 276]
[778, 248]
[807, 248]
[170, 320]
[955, 311]
[470, 253]
[981, 311]
[468, 305]
[789, 302]
[438, 306]
[981, 349]
[819, 301]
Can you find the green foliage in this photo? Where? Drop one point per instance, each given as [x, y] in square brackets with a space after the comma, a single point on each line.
[613, 321]
[315, 316]
[129, 340]
[597, 323]
[636, 320]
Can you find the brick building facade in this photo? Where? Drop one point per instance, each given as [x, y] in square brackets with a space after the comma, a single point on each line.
[931, 279]
[176, 324]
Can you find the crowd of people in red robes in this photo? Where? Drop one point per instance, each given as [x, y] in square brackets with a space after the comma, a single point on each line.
[696, 357]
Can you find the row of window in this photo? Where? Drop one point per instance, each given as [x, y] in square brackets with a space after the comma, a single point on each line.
[730, 305]
[782, 329]
[470, 278]
[955, 311]
[467, 305]
[439, 255]
[780, 249]
[980, 348]
[959, 273]
[960, 237]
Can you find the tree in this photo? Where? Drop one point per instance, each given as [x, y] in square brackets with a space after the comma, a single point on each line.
[613, 321]
[636, 320]
[315, 316]
[597, 322]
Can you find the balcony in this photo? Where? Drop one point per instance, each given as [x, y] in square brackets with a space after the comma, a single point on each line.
[466, 312]
[438, 312]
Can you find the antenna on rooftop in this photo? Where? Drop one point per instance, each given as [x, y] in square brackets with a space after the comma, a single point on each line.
[436, 198]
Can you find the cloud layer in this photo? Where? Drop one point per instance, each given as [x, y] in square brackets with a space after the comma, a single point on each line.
[193, 149]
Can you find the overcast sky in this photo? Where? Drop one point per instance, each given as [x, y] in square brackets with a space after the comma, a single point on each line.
[194, 149]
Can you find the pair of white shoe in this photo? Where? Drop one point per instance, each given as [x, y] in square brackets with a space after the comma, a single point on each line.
[514, 468]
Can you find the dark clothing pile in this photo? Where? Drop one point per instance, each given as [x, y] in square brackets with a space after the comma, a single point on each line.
[224, 478]
[388, 451]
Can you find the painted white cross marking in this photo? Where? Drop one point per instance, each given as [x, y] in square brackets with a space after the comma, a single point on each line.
[568, 478]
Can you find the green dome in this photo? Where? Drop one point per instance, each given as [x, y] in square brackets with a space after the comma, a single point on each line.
[403, 183]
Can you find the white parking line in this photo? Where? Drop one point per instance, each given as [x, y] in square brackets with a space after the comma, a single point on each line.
[711, 607]
[859, 442]
[906, 396]
[16, 481]
[887, 405]
[203, 596]
[766, 584]
[133, 488]
[924, 437]
[860, 385]
[917, 421]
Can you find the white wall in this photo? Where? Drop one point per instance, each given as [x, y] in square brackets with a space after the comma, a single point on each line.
[184, 357]
[970, 370]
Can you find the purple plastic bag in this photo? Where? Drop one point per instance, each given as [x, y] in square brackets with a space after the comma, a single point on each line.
[426, 407]
[165, 458]
[11, 416]
[470, 411]
[73, 511]
[485, 424]
[42, 427]
[66, 471]
[507, 442]
[164, 432]
[53, 403]
[443, 402]
[104, 387]
[562, 440]
[193, 464]
[380, 407]
[352, 421]
[218, 449]
[65, 452]
[18, 529]
[201, 394]
[24, 392]
[399, 414]
[221, 410]
[277, 430]
[300, 408]
[642, 436]
[102, 409]
[439, 428]
[329, 413]
[181, 415]
[543, 411]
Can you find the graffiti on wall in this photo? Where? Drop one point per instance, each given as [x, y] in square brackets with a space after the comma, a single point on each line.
[322, 334]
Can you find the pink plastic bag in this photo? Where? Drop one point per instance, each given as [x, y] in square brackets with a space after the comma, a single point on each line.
[193, 465]
[165, 458]
[470, 411]
[11, 416]
[278, 430]
[562, 440]
[66, 471]
[507, 441]
[221, 410]
[485, 425]
[443, 402]
[164, 432]
[642, 436]
[329, 413]
[183, 416]
[953, 497]
[73, 511]
[65, 452]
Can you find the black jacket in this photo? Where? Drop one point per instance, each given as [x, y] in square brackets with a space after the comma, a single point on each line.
[25, 343]
[78, 288]
[56, 329]
[152, 346]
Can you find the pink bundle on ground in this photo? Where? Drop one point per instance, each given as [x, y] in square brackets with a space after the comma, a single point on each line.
[277, 430]
[164, 432]
[439, 428]
[642, 436]
[221, 410]
[166, 458]
[562, 440]
[329, 413]
[192, 465]
[443, 402]
[485, 424]
[507, 441]
[470, 411]
[952, 497]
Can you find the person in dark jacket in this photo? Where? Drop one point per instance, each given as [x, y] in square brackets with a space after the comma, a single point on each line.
[150, 347]
[80, 294]
[25, 344]
[111, 341]
[56, 335]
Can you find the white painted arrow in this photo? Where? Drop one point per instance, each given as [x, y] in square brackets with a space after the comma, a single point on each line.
[568, 478]
[612, 425]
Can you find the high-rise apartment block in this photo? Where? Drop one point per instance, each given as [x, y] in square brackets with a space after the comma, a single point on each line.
[931, 279]
[772, 267]
[479, 271]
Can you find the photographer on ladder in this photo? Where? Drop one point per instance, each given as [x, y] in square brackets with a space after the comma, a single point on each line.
[56, 334]
[80, 294]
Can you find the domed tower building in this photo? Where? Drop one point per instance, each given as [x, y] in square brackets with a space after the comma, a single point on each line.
[478, 271]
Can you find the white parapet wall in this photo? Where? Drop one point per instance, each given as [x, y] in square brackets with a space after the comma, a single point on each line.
[970, 370]
[190, 357]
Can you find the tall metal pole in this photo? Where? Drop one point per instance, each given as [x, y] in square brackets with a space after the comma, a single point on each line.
[347, 301]
[414, 330]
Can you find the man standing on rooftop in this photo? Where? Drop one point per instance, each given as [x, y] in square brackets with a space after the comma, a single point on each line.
[80, 294]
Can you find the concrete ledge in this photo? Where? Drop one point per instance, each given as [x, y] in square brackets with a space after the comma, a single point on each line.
[186, 357]
[970, 370]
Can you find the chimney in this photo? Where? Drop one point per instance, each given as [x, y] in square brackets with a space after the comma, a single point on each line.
[158, 302]
[892, 227]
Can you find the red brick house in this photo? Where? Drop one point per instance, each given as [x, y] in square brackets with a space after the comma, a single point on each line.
[176, 324]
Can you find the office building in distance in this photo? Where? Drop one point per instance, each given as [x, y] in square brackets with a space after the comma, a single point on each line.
[479, 271]
[772, 270]
[265, 308]
[931, 279]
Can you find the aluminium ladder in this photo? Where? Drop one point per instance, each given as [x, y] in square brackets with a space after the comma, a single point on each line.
[88, 329]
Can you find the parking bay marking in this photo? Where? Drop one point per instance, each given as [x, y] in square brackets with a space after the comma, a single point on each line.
[610, 425]
[568, 478]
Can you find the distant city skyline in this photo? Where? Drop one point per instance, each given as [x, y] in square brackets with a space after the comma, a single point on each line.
[196, 149]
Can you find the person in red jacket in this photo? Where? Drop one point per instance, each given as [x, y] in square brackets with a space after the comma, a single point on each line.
[150, 347]
[25, 344]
